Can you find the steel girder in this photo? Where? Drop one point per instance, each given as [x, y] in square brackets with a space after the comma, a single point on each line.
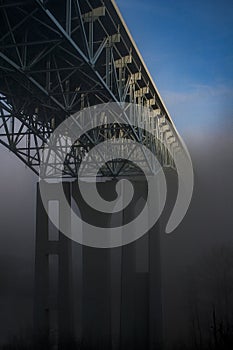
[57, 58]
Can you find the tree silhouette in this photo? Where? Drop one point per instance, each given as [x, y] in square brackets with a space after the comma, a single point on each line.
[210, 300]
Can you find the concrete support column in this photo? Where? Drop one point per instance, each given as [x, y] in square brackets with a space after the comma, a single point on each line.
[155, 282]
[131, 317]
[65, 297]
[41, 293]
[53, 321]
[96, 309]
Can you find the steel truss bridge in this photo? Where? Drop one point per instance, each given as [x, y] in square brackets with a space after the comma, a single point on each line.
[59, 57]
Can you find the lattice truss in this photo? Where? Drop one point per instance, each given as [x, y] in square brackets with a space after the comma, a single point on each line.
[59, 57]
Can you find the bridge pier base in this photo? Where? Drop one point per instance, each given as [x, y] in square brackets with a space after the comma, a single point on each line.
[119, 296]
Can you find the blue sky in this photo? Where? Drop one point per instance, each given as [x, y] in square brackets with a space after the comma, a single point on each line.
[188, 48]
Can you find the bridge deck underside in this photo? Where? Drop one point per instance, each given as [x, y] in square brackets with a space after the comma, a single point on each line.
[57, 58]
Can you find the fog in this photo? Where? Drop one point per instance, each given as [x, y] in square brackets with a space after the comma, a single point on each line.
[207, 225]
